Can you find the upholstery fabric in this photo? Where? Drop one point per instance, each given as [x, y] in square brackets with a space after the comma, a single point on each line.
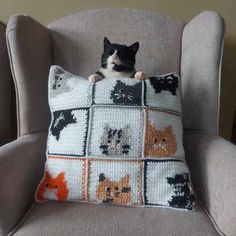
[202, 45]
[30, 54]
[5, 89]
[212, 161]
[89, 220]
[21, 166]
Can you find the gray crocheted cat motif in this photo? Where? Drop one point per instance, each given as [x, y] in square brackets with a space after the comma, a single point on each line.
[115, 141]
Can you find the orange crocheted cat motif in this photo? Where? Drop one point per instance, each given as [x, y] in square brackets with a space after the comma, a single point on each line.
[159, 143]
[52, 188]
[115, 192]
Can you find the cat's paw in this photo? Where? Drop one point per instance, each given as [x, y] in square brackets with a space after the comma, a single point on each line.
[139, 75]
[94, 77]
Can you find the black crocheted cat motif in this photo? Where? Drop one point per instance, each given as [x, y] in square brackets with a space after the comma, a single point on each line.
[61, 119]
[183, 193]
[127, 94]
[168, 82]
[115, 141]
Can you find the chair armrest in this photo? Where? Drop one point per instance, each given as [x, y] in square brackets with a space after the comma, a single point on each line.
[202, 46]
[21, 167]
[212, 163]
[30, 53]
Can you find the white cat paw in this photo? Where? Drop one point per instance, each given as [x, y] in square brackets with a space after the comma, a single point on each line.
[94, 77]
[139, 75]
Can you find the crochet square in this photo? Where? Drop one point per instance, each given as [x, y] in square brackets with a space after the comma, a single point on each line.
[63, 179]
[167, 183]
[163, 135]
[68, 132]
[65, 89]
[115, 182]
[116, 132]
[118, 92]
[163, 92]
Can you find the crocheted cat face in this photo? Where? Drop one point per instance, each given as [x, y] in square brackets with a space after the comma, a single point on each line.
[115, 192]
[115, 141]
[61, 119]
[53, 188]
[127, 94]
[159, 142]
[184, 196]
[168, 83]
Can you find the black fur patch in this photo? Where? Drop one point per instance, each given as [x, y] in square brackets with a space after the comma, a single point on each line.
[183, 194]
[127, 94]
[167, 82]
[61, 119]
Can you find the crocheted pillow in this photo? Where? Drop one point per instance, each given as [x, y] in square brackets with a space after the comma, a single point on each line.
[116, 141]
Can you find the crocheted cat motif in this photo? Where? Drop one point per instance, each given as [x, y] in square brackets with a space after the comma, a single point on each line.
[167, 82]
[61, 119]
[159, 142]
[53, 188]
[115, 192]
[184, 196]
[115, 141]
[127, 94]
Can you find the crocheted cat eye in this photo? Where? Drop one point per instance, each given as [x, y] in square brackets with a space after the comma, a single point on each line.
[117, 141]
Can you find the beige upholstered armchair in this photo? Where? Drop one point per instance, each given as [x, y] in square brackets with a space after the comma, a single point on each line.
[6, 126]
[194, 50]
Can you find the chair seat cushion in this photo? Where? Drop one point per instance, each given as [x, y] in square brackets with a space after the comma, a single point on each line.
[67, 218]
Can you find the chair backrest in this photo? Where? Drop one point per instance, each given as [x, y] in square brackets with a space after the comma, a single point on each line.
[76, 44]
[6, 90]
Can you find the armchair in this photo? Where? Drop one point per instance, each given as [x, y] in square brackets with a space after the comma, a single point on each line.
[194, 50]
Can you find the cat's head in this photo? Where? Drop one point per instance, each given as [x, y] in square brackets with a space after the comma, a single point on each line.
[117, 192]
[117, 57]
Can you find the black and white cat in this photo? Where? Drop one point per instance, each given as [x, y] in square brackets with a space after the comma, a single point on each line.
[117, 61]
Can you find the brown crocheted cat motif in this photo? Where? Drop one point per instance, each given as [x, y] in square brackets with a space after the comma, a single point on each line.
[115, 192]
[159, 143]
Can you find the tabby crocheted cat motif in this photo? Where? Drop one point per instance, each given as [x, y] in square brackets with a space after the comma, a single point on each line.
[53, 188]
[115, 192]
[159, 143]
[61, 119]
[127, 94]
[167, 82]
[184, 196]
[115, 141]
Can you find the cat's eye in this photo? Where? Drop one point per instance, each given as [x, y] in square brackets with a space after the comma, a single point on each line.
[55, 186]
[108, 189]
[112, 51]
[59, 85]
[60, 78]
[121, 90]
[155, 140]
[116, 188]
[164, 140]
[118, 141]
[109, 141]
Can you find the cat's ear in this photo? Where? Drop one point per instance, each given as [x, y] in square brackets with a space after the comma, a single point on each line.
[102, 177]
[106, 42]
[61, 176]
[134, 47]
[125, 180]
[168, 129]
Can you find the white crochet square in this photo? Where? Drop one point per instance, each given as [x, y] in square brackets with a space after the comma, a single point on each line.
[120, 91]
[67, 90]
[68, 132]
[116, 132]
[163, 135]
[158, 92]
[116, 175]
[64, 175]
[157, 190]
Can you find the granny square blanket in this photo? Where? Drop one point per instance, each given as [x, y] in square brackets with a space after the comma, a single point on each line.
[117, 141]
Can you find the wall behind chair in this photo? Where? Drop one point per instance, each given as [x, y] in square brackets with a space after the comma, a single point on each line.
[46, 11]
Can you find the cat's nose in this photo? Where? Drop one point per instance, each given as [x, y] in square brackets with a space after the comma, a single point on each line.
[114, 56]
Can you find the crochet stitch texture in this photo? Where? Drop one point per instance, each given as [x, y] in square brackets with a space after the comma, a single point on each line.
[117, 141]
